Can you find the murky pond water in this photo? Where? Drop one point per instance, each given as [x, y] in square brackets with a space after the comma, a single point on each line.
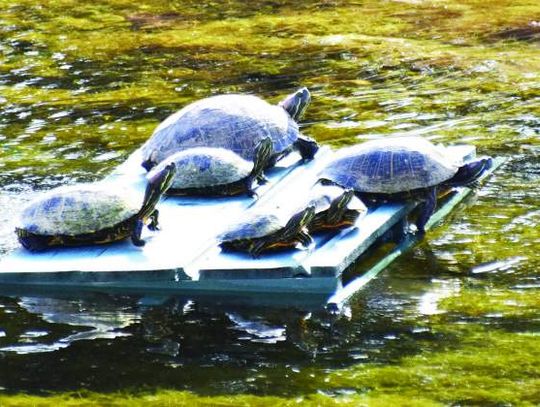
[455, 321]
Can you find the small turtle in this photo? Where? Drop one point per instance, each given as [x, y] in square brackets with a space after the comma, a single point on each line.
[401, 168]
[91, 214]
[265, 232]
[335, 208]
[234, 122]
[211, 171]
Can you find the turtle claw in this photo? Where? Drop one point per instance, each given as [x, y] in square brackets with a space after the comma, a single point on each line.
[138, 242]
[253, 194]
[136, 234]
[154, 225]
[262, 180]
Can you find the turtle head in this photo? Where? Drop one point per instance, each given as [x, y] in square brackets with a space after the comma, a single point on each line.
[296, 103]
[338, 209]
[299, 220]
[344, 199]
[151, 161]
[158, 183]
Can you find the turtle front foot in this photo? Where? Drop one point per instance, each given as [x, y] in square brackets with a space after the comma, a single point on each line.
[261, 180]
[253, 194]
[136, 234]
[153, 225]
[138, 242]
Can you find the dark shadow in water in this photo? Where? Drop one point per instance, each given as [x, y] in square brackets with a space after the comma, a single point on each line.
[108, 342]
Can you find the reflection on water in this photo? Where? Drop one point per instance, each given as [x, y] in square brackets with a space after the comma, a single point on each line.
[428, 303]
[94, 322]
[177, 336]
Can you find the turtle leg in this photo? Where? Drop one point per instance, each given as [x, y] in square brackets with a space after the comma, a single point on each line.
[136, 233]
[249, 187]
[261, 179]
[307, 147]
[272, 161]
[257, 247]
[304, 238]
[154, 225]
[264, 155]
[150, 162]
[427, 209]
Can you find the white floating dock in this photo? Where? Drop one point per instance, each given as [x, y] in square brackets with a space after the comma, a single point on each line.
[184, 256]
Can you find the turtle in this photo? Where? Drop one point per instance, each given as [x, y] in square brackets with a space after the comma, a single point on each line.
[92, 213]
[214, 171]
[261, 232]
[401, 168]
[236, 122]
[335, 208]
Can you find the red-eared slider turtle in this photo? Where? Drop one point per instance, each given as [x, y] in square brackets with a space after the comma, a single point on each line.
[211, 171]
[234, 122]
[92, 214]
[264, 232]
[401, 168]
[335, 208]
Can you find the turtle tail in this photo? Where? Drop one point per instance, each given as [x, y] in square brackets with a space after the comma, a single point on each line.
[470, 172]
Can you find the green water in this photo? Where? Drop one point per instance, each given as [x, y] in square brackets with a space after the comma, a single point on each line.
[454, 322]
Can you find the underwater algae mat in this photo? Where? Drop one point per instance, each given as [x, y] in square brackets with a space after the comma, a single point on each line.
[82, 83]
[488, 368]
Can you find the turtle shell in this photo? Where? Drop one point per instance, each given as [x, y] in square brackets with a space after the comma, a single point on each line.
[234, 122]
[200, 167]
[251, 227]
[390, 165]
[78, 210]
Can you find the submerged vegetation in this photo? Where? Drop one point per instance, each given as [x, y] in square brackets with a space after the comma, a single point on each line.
[455, 322]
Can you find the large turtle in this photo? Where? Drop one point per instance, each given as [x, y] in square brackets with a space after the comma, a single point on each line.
[335, 208]
[264, 232]
[92, 214]
[234, 122]
[211, 171]
[400, 168]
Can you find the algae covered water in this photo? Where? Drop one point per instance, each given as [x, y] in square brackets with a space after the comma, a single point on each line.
[453, 322]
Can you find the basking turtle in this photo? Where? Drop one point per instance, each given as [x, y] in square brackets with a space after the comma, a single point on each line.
[265, 232]
[335, 208]
[214, 171]
[234, 122]
[92, 214]
[401, 168]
